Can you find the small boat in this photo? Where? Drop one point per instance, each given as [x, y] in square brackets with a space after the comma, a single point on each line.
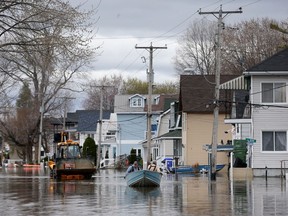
[143, 178]
[195, 169]
[68, 163]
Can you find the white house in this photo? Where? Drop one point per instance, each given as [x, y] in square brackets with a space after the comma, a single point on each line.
[262, 119]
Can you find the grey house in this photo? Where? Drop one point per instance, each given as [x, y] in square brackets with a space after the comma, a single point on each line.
[260, 115]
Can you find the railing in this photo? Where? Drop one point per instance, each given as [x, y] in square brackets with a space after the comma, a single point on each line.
[284, 168]
[238, 111]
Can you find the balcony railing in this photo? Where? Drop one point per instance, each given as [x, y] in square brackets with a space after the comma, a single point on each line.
[238, 111]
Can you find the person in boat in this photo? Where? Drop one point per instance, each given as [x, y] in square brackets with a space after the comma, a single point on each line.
[153, 167]
[134, 167]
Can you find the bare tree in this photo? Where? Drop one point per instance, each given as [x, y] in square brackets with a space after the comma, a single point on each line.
[117, 85]
[283, 28]
[196, 48]
[44, 43]
[249, 43]
[244, 45]
[111, 87]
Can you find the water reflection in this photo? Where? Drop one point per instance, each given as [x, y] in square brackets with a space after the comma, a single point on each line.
[32, 192]
[142, 192]
[69, 188]
[24, 171]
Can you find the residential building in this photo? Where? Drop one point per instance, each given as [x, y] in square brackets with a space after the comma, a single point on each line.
[196, 103]
[131, 111]
[263, 121]
[80, 124]
[167, 145]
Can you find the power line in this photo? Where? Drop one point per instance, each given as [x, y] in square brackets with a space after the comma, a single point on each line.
[220, 15]
[151, 49]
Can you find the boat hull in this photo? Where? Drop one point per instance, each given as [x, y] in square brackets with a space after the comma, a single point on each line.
[144, 178]
[198, 169]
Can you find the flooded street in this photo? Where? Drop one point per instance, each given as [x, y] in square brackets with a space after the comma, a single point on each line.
[32, 192]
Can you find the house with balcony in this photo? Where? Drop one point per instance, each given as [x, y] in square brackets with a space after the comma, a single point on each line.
[258, 111]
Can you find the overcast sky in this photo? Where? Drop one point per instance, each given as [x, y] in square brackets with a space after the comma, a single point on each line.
[124, 23]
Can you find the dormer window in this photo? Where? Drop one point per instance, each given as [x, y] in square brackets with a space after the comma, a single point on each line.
[137, 101]
[157, 99]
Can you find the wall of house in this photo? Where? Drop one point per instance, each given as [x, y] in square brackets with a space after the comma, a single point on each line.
[267, 119]
[196, 132]
[165, 149]
[163, 124]
[132, 129]
[165, 146]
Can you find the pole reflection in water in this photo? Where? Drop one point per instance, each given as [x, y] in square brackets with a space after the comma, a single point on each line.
[32, 192]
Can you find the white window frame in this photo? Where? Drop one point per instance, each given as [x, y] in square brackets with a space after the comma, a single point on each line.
[274, 90]
[274, 139]
[136, 102]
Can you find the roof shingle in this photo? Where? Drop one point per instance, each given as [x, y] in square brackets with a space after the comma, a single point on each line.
[197, 92]
[277, 62]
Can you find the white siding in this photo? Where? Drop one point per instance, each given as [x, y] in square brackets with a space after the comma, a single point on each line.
[267, 118]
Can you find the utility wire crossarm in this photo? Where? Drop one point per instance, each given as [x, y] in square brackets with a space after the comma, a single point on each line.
[150, 49]
[213, 159]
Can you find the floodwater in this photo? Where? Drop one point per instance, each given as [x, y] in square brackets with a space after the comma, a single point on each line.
[32, 192]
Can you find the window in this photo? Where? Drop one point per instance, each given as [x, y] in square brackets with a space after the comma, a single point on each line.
[273, 92]
[136, 102]
[274, 141]
[138, 152]
[177, 147]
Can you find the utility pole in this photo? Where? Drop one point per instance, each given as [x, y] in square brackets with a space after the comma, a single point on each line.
[100, 121]
[41, 129]
[213, 159]
[65, 113]
[100, 128]
[150, 72]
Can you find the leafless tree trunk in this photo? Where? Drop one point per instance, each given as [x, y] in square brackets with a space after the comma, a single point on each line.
[43, 43]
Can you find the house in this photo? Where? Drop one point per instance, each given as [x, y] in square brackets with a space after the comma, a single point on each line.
[167, 145]
[87, 123]
[79, 125]
[196, 103]
[263, 121]
[109, 143]
[131, 111]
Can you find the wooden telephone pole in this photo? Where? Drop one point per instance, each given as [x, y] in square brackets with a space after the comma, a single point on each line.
[100, 121]
[150, 72]
[213, 158]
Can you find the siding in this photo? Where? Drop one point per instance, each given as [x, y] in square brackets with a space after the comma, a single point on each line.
[267, 118]
[198, 133]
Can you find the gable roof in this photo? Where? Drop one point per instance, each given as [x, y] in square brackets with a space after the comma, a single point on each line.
[197, 92]
[84, 120]
[276, 63]
[164, 102]
[87, 119]
[122, 103]
[171, 135]
[137, 95]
